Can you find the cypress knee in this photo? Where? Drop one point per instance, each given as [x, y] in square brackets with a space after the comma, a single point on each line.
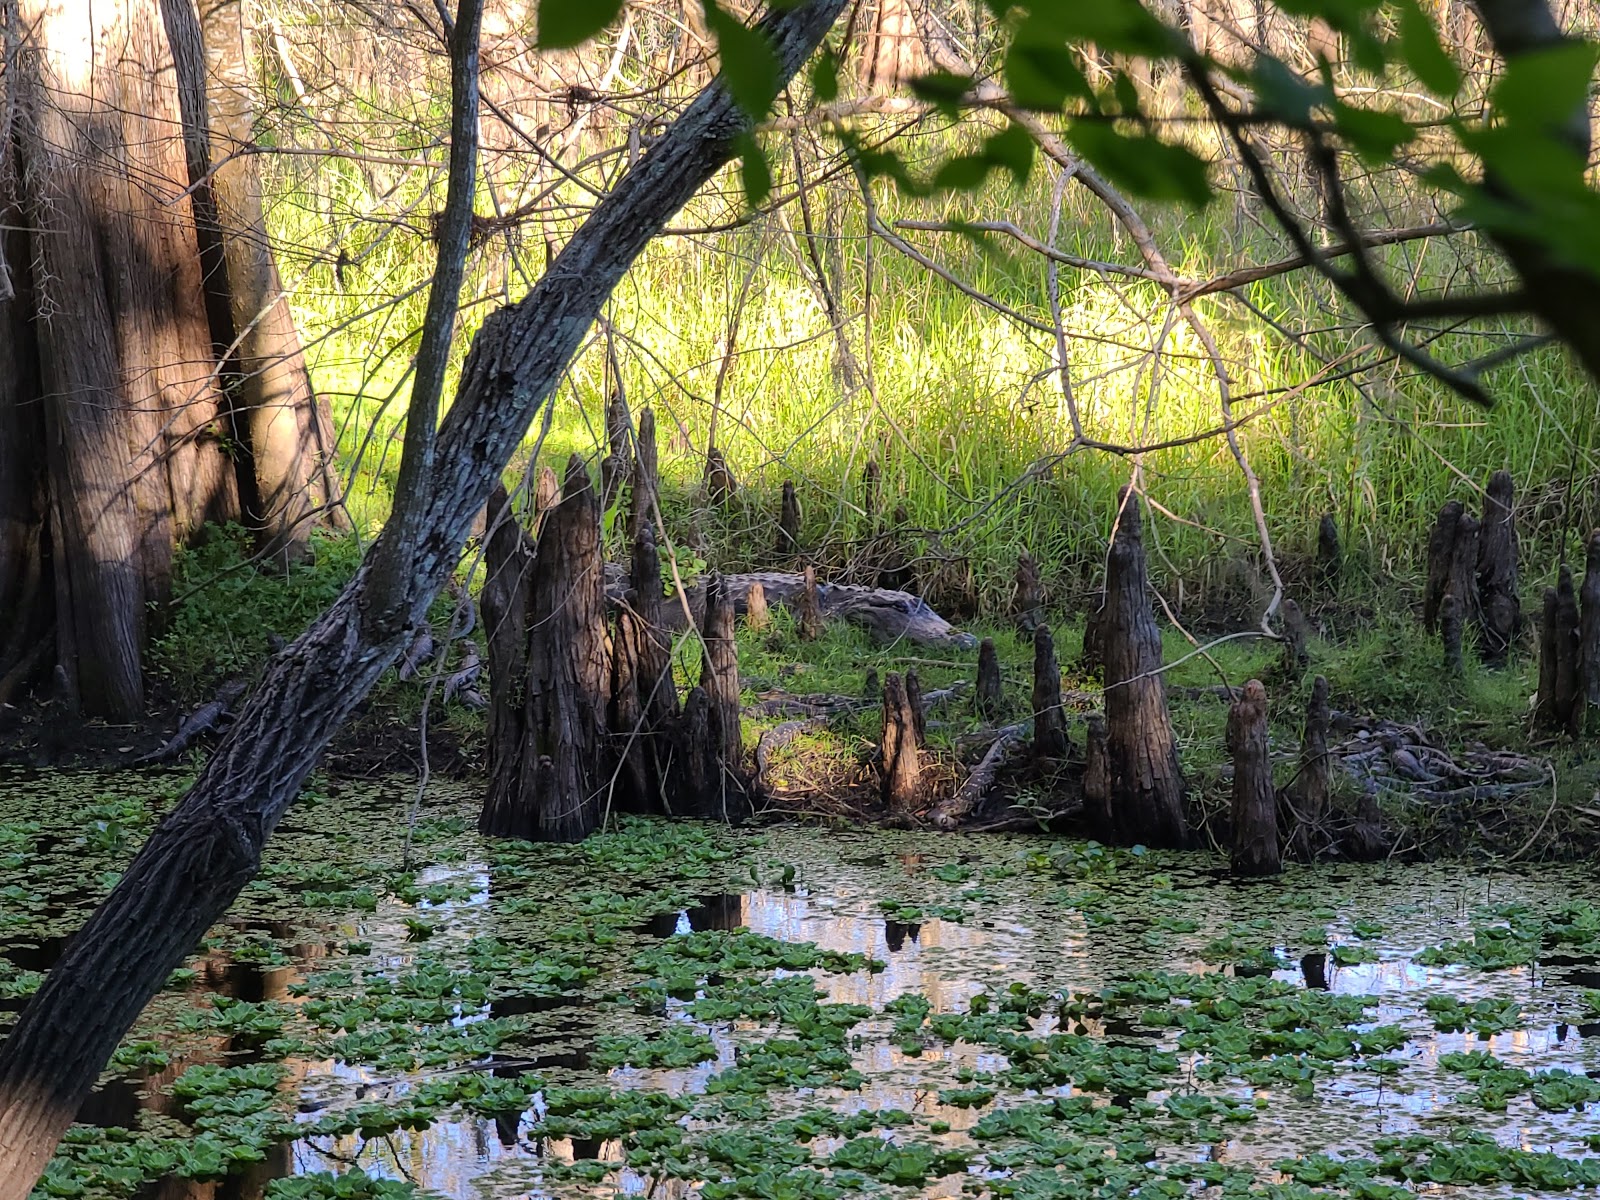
[1558, 704]
[1499, 609]
[919, 713]
[901, 763]
[1462, 582]
[1450, 634]
[1147, 786]
[1027, 598]
[636, 791]
[1307, 798]
[1097, 777]
[1049, 723]
[871, 488]
[896, 572]
[1330, 555]
[810, 606]
[646, 476]
[719, 679]
[1589, 624]
[560, 790]
[1255, 814]
[789, 522]
[719, 480]
[1441, 552]
[617, 466]
[507, 559]
[756, 614]
[989, 697]
[1296, 637]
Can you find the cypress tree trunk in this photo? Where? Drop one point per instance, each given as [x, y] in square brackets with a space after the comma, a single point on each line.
[205, 851]
[1147, 786]
[1255, 809]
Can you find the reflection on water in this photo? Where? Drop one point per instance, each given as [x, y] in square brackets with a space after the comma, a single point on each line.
[1052, 933]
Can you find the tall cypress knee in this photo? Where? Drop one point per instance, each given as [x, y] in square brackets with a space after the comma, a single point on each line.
[1255, 815]
[1499, 608]
[1147, 786]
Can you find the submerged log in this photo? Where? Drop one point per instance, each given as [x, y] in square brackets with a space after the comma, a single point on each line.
[1450, 626]
[550, 779]
[789, 522]
[1049, 722]
[646, 476]
[1499, 608]
[1307, 798]
[1255, 811]
[1147, 785]
[989, 700]
[719, 480]
[1027, 597]
[900, 766]
[756, 615]
[1441, 553]
[1330, 554]
[808, 609]
[1589, 624]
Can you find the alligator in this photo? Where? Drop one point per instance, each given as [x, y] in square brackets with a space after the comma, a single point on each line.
[888, 615]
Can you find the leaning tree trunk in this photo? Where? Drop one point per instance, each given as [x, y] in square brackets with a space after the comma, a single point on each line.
[209, 847]
[1147, 786]
[119, 410]
[287, 476]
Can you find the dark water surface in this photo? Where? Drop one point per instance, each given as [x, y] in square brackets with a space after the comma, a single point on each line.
[960, 922]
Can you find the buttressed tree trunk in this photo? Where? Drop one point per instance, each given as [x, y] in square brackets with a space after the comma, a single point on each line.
[209, 846]
[118, 452]
[288, 478]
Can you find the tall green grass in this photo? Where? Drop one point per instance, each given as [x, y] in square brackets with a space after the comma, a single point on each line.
[964, 412]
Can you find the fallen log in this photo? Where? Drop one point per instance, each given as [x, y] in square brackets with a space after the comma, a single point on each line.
[887, 615]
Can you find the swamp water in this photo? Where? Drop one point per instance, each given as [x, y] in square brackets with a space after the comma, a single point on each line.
[677, 1009]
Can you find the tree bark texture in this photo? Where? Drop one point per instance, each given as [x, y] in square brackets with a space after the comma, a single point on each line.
[1049, 722]
[719, 679]
[1589, 623]
[1441, 553]
[616, 469]
[1097, 776]
[809, 609]
[1499, 608]
[901, 763]
[989, 696]
[1462, 582]
[1307, 798]
[1296, 640]
[1147, 787]
[1330, 553]
[553, 771]
[1027, 596]
[287, 473]
[789, 522]
[646, 476]
[1450, 635]
[123, 458]
[508, 556]
[757, 616]
[209, 846]
[1255, 804]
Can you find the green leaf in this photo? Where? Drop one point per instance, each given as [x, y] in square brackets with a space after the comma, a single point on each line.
[1375, 136]
[942, 89]
[754, 171]
[1286, 94]
[749, 66]
[567, 23]
[1013, 149]
[1546, 86]
[1043, 77]
[1143, 164]
[963, 173]
[825, 76]
[1420, 47]
[1123, 26]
